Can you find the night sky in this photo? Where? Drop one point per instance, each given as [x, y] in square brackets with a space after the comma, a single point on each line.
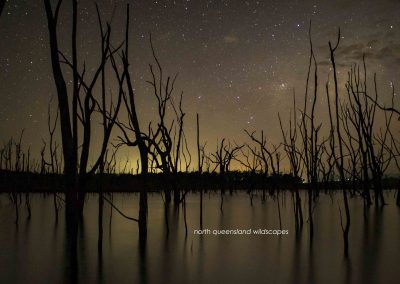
[238, 61]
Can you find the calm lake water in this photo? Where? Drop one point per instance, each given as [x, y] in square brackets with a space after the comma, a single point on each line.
[36, 250]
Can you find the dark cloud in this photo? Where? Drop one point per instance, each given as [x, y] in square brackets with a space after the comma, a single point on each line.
[373, 50]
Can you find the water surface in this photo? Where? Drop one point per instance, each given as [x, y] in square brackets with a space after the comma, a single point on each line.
[37, 251]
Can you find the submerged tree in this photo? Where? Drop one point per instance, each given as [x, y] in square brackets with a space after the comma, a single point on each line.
[294, 154]
[269, 158]
[309, 132]
[224, 155]
[391, 148]
[77, 108]
[134, 126]
[162, 147]
[339, 161]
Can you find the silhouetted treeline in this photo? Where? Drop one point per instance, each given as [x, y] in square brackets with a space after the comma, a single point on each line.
[49, 183]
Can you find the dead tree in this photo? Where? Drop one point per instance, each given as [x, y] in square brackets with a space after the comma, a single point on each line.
[18, 167]
[13, 158]
[83, 104]
[52, 163]
[250, 162]
[357, 115]
[200, 162]
[166, 140]
[352, 154]
[309, 132]
[269, 158]
[18, 153]
[393, 147]
[222, 159]
[309, 129]
[375, 156]
[339, 161]
[294, 155]
[164, 145]
[379, 157]
[8, 156]
[69, 148]
[224, 155]
[395, 150]
[127, 98]
[130, 105]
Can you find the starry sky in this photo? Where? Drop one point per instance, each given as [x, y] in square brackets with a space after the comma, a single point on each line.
[238, 61]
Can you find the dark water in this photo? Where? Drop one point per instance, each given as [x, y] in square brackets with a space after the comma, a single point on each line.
[36, 251]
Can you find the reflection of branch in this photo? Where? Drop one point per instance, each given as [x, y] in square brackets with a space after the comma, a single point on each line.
[119, 211]
[59, 197]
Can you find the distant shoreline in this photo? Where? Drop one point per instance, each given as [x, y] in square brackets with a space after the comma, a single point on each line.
[193, 181]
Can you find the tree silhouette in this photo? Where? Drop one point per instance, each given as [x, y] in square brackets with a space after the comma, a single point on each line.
[77, 109]
[163, 146]
[269, 158]
[309, 132]
[393, 147]
[224, 155]
[130, 105]
[339, 161]
[294, 154]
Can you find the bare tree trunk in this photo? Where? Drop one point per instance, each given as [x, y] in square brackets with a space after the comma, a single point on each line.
[75, 183]
[199, 170]
[66, 132]
[70, 169]
[340, 164]
[308, 147]
[131, 105]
